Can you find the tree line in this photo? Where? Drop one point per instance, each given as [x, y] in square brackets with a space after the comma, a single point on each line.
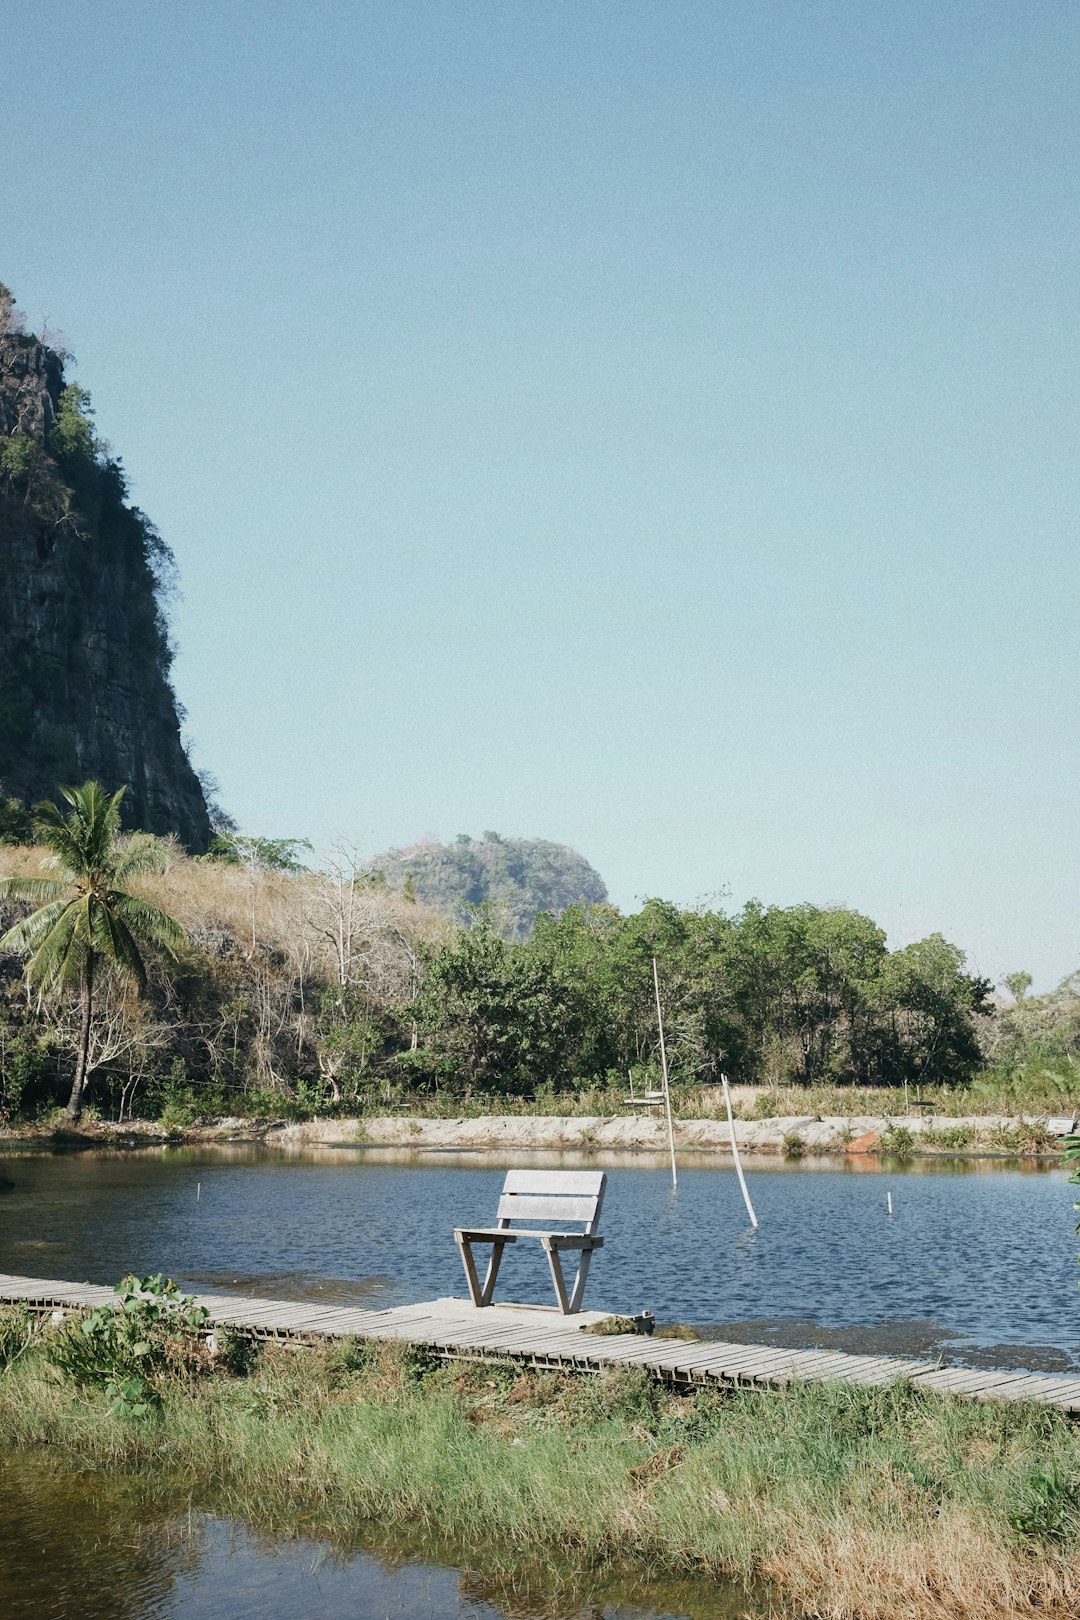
[251, 983]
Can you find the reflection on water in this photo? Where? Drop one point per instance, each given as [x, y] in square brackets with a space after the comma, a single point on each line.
[976, 1262]
[114, 1547]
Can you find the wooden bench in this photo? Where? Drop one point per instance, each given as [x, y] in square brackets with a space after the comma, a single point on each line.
[540, 1195]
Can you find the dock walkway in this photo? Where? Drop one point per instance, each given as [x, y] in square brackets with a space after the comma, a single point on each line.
[539, 1337]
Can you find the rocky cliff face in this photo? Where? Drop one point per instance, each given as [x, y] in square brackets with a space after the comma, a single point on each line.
[84, 653]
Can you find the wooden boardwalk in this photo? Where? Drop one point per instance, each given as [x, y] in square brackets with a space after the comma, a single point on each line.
[539, 1337]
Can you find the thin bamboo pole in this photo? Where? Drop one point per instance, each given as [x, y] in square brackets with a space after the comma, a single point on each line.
[663, 1065]
[735, 1153]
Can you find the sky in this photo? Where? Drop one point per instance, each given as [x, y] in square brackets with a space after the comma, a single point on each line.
[646, 426]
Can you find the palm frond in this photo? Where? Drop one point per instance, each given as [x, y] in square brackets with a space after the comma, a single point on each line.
[53, 831]
[30, 888]
[142, 854]
[28, 934]
[61, 957]
[147, 922]
[83, 839]
[111, 938]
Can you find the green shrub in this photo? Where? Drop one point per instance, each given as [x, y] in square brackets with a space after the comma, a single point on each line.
[235, 1352]
[1035, 1137]
[126, 1347]
[897, 1142]
[954, 1138]
[1048, 1506]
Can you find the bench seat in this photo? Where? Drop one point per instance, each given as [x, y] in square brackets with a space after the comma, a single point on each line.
[556, 1240]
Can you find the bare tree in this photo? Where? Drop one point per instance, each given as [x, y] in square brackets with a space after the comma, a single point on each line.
[122, 1039]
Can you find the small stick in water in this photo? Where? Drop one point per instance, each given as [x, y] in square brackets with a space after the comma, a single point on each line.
[198, 1191]
[667, 1085]
[735, 1153]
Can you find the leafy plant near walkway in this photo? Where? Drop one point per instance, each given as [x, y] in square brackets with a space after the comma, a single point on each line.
[126, 1347]
[17, 1333]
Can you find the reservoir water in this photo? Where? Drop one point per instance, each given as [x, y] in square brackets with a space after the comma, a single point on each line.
[976, 1263]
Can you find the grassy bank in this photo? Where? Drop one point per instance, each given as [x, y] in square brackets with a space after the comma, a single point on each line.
[862, 1503]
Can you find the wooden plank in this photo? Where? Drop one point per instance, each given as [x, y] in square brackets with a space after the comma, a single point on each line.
[726, 1367]
[534, 1207]
[567, 1341]
[951, 1380]
[668, 1357]
[1033, 1387]
[825, 1368]
[999, 1387]
[255, 1316]
[747, 1361]
[1044, 1388]
[640, 1351]
[876, 1373]
[807, 1365]
[484, 1234]
[575, 1183]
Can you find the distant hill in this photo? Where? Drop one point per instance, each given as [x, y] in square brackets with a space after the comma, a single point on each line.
[517, 877]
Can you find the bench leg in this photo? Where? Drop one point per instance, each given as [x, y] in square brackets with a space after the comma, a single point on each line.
[579, 1280]
[569, 1305]
[481, 1296]
[555, 1267]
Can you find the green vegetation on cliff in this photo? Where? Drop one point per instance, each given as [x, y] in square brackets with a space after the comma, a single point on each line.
[513, 879]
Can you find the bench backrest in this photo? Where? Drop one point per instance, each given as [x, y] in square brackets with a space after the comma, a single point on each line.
[553, 1195]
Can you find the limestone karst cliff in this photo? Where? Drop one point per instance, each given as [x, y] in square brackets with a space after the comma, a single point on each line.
[516, 878]
[84, 650]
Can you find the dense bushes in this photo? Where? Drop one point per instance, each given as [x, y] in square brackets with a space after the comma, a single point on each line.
[784, 995]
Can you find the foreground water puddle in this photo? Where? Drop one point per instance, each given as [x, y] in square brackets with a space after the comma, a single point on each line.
[110, 1547]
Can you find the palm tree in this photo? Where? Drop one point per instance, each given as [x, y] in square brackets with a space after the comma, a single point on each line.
[87, 918]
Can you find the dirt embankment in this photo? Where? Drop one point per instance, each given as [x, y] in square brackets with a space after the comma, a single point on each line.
[793, 1136]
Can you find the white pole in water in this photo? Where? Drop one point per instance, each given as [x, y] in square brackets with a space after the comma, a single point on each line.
[735, 1153]
[198, 1191]
[663, 1064]
[888, 1200]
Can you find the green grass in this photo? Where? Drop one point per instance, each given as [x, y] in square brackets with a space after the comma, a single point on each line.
[876, 1503]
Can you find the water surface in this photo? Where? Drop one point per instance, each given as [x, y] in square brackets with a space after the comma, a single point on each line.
[977, 1262]
[115, 1547]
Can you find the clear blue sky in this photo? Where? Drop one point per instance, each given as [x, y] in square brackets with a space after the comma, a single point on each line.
[651, 426]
